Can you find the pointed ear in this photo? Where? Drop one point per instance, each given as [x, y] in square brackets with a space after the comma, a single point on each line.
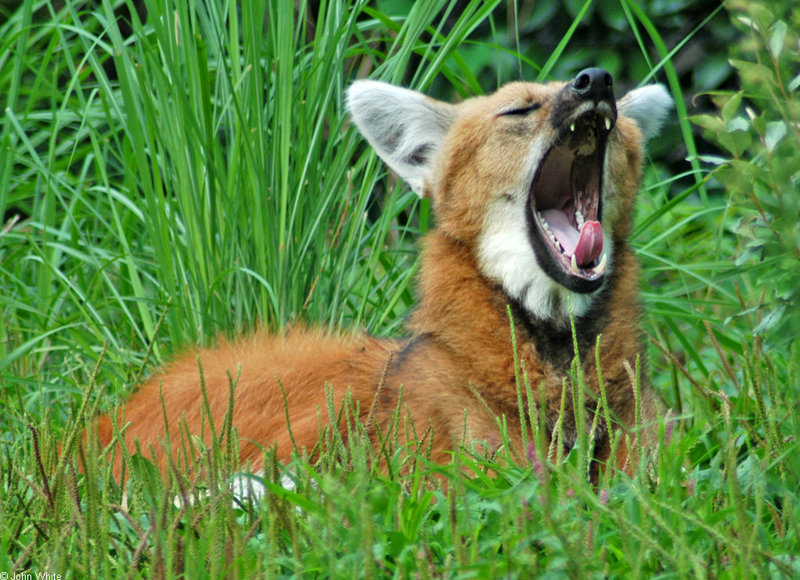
[648, 106]
[405, 127]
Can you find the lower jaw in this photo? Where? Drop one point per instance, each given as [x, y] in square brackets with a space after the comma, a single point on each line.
[580, 285]
[551, 266]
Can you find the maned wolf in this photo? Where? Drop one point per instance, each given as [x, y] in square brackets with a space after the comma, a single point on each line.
[533, 190]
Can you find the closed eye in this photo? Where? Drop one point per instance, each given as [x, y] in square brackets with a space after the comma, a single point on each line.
[521, 111]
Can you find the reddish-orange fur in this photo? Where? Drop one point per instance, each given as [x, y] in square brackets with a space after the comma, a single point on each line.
[458, 361]
[254, 365]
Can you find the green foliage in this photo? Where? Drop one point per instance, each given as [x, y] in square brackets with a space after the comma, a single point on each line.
[170, 171]
[758, 129]
[720, 499]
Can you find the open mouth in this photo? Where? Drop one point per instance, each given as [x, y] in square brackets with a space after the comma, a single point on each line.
[565, 204]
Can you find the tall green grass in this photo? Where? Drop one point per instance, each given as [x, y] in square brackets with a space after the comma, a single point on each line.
[192, 174]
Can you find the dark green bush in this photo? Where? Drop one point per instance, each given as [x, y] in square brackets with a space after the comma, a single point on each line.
[758, 128]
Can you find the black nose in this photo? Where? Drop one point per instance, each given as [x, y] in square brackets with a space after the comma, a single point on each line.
[594, 84]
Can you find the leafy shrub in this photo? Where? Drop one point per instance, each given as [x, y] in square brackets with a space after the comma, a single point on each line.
[758, 126]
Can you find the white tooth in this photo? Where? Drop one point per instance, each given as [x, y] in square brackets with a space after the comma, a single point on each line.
[573, 265]
[608, 124]
[601, 267]
[572, 127]
[547, 230]
[579, 218]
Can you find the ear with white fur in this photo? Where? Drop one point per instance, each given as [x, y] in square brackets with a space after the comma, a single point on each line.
[405, 127]
[648, 106]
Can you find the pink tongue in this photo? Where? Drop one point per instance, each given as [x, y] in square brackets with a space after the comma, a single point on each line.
[586, 245]
[590, 244]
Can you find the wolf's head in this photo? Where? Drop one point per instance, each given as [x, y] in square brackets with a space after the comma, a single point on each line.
[538, 180]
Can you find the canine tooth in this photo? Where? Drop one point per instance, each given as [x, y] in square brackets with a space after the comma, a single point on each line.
[572, 127]
[601, 267]
[573, 265]
[608, 124]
